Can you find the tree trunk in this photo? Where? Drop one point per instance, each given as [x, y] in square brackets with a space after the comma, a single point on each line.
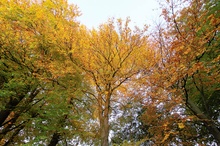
[11, 139]
[104, 118]
[10, 106]
[210, 125]
[55, 139]
[104, 131]
[13, 102]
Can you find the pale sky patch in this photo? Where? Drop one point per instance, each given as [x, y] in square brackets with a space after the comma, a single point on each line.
[96, 12]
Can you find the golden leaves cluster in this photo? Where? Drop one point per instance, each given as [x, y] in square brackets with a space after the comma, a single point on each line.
[113, 52]
[42, 32]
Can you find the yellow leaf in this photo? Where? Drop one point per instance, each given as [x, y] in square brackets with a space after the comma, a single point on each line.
[181, 125]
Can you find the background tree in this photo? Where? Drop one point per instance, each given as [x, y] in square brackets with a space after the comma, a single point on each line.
[127, 127]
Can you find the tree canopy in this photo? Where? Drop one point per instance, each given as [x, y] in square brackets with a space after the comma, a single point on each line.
[64, 84]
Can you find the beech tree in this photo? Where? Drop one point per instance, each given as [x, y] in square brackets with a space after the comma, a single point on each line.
[188, 71]
[110, 57]
[36, 81]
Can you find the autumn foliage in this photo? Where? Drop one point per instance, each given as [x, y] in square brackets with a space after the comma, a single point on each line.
[187, 93]
[64, 84]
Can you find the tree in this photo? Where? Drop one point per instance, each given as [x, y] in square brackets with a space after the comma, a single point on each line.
[35, 40]
[110, 57]
[188, 71]
[127, 127]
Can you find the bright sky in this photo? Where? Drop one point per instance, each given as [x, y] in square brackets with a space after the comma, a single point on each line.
[96, 12]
